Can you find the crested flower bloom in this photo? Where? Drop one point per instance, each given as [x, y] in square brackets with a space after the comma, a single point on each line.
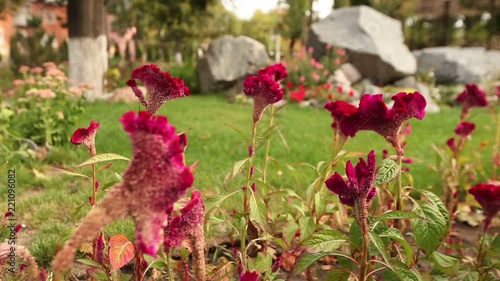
[155, 179]
[471, 97]
[86, 136]
[276, 71]
[488, 196]
[451, 144]
[372, 114]
[161, 87]
[264, 90]
[192, 217]
[358, 189]
[464, 129]
[249, 276]
[339, 109]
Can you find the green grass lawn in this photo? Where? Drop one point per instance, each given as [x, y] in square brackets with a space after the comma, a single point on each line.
[50, 205]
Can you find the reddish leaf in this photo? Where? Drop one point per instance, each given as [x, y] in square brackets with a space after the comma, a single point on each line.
[121, 251]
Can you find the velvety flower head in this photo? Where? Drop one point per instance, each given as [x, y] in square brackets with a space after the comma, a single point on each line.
[155, 179]
[372, 114]
[451, 144]
[464, 129]
[161, 87]
[339, 109]
[276, 71]
[249, 276]
[359, 185]
[192, 217]
[472, 96]
[264, 90]
[488, 196]
[86, 136]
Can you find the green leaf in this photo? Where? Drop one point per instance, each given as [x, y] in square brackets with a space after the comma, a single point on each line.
[325, 240]
[120, 252]
[386, 171]
[263, 263]
[258, 212]
[126, 277]
[468, 275]
[494, 249]
[338, 275]
[217, 200]
[445, 263]
[380, 246]
[429, 232]
[392, 215]
[266, 135]
[439, 204]
[238, 167]
[69, 172]
[307, 259]
[395, 234]
[108, 185]
[89, 262]
[355, 236]
[401, 274]
[307, 226]
[102, 158]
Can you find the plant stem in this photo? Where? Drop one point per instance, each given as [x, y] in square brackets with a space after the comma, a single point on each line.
[169, 266]
[399, 191]
[363, 213]
[138, 266]
[268, 145]
[496, 154]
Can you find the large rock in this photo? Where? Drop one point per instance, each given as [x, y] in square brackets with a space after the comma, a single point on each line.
[459, 65]
[228, 61]
[374, 42]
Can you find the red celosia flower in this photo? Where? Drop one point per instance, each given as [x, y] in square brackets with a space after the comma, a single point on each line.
[488, 196]
[339, 109]
[192, 217]
[498, 91]
[359, 185]
[289, 85]
[451, 144]
[161, 86]
[86, 136]
[155, 179]
[464, 129]
[249, 276]
[100, 248]
[264, 90]
[276, 71]
[472, 96]
[373, 114]
[298, 95]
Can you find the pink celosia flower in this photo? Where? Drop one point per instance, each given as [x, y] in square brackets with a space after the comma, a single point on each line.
[276, 71]
[155, 179]
[86, 136]
[161, 86]
[249, 276]
[192, 217]
[488, 196]
[373, 114]
[339, 109]
[264, 90]
[358, 189]
[472, 96]
[298, 95]
[464, 129]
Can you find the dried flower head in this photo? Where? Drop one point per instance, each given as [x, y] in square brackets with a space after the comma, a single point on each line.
[372, 114]
[86, 136]
[264, 90]
[488, 196]
[155, 179]
[464, 129]
[161, 86]
[358, 189]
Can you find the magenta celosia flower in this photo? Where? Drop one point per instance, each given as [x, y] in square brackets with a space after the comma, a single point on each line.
[451, 144]
[339, 109]
[249, 276]
[276, 71]
[264, 90]
[358, 189]
[488, 196]
[464, 129]
[86, 136]
[472, 96]
[155, 179]
[100, 248]
[161, 86]
[192, 217]
[373, 114]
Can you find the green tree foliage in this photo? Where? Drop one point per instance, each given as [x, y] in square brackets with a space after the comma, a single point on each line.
[261, 26]
[296, 19]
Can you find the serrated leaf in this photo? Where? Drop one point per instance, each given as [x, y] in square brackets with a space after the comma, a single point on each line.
[217, 200]
[395, 234]
[430, 231]
[258, 212]
[102, 158]
[307, 226]
[121, 251]
[266, 135]
[263, 263]
[439, 204]
[393, 214]
[325, 240]
[381, 247]
[401, 274]
[306, 259]
[445, 263]
[386, 171]
[338, 275]
[238, 167]
[69, 172]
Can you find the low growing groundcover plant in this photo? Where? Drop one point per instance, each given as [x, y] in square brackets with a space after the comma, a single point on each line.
[371, 224]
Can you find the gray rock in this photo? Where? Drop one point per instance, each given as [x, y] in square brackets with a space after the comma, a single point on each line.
[459, 65]
[374, 42]
[407, 82]
[432, 106]
[228, 60]
[350, 72]
[369, 88]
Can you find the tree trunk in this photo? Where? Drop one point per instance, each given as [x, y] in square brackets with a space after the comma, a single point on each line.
[88, 59]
